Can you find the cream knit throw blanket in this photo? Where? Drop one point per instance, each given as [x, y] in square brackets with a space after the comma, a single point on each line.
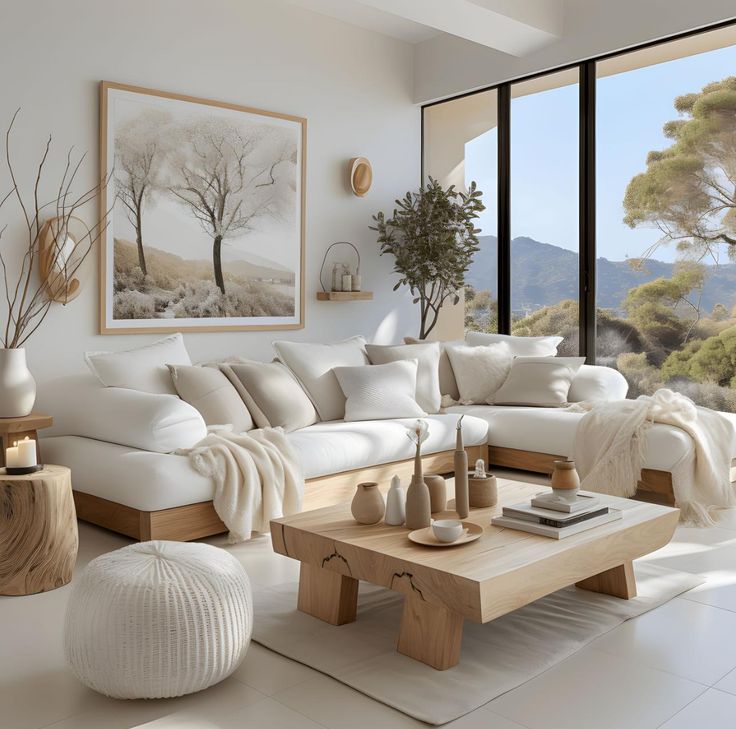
[609, 443]
[257, 477]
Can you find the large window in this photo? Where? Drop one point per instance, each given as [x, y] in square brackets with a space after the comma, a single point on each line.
[461, 146]
[666, 174]
[653, 218]
[544, 207]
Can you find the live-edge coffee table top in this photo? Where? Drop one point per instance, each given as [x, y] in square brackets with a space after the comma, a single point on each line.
[493, 575]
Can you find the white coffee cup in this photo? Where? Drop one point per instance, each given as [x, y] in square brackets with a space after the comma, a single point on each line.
[448, 530]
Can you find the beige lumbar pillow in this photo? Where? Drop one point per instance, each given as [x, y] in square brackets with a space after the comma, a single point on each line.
[538, 381]
[479, 371]
[210, 392]
[448, 385]
[272, 394]
[380, 392]
[428, 359]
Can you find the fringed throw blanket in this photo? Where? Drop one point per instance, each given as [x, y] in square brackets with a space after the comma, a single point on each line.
[257, 477]
[609, 443]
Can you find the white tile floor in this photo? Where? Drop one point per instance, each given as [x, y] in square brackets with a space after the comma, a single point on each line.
[674, 667]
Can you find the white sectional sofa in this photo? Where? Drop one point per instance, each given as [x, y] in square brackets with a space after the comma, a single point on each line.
[119, 444]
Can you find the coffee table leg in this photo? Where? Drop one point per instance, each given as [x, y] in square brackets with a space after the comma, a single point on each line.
[430, 633]
[618, 581]
[327, 595]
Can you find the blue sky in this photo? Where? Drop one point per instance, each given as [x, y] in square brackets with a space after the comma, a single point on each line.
[631, 109]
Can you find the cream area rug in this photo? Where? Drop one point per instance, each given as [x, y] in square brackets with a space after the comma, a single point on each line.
[496, 657]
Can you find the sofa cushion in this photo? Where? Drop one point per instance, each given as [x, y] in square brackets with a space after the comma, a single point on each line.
[598, 383]
[552, 430]
[143, 368]
[81, 406]
[153, 481]
[313, 365]
[540, 381]
[479, 371]
[211, 393]
[519, 346]
[380, 392]
[448, 385]
[272, 394]
[326, 448]
[427, 354]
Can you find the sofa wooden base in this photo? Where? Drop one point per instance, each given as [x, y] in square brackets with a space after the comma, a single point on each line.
[195, 521]
[654, 486]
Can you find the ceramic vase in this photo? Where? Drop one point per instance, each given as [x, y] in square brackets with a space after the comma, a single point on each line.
[395, 504]
[461, 474]
[565, 480]
[368, 506]
[418, 509]
[437, 492]
[482, 492]
[17, 386]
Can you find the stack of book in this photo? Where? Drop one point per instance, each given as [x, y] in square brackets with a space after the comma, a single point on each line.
[552, 517]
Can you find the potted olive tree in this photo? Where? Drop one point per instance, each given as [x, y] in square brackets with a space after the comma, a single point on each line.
[433, 239]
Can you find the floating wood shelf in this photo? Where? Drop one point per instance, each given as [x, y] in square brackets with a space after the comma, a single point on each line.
[344, 295]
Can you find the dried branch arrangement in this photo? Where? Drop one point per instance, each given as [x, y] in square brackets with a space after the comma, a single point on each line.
[29, 297]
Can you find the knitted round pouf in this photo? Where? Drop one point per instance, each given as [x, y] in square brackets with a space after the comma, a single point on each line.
[158, 619]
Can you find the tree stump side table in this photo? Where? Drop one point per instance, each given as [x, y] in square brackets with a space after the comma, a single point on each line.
[38, 531]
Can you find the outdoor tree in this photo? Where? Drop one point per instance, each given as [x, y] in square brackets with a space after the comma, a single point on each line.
[688, 190]
[433, 238]
[141, 149]
[229, 176]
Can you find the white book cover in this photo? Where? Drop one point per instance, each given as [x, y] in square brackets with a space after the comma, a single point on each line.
[534, 513]
[555, 532]
[548, 500]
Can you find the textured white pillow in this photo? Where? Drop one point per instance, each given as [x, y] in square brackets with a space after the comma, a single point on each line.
[539, 381]
[518, 346]
[380, 392]
[313, 365]
[144, 368]
[428, 368]
[479, 371]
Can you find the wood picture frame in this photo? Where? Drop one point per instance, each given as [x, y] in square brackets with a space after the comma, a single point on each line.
[257, 291]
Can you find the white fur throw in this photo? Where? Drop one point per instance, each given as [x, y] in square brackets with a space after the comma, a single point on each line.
[257, 477]
[609, 441]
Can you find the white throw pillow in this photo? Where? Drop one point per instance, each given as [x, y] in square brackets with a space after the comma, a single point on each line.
[313, 365]
[380, 392]
[479, 371]
[539, 381]
[144, 368]
[518, 346]
[428, 369]
[448, 385]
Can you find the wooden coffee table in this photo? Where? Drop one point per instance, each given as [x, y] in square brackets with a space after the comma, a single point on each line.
[500, 572]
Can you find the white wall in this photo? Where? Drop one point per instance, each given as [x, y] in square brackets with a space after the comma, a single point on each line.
[446, 65]
[354, 87]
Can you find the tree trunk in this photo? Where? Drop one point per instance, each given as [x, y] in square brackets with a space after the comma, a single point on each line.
[217, 263]
[139, 240]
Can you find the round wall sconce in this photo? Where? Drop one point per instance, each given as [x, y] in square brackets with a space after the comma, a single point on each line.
[361, 176]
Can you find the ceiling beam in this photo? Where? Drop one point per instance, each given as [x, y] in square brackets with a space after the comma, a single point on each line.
[516, 27]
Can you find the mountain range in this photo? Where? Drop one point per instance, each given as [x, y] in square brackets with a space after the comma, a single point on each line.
[543, 274]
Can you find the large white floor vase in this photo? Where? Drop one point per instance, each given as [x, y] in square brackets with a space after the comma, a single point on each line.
[158, 619]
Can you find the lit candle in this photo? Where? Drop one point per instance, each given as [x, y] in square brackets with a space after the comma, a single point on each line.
[26, 452]
[11, 456]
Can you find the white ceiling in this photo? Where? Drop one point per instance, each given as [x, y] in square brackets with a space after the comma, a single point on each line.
[516, 27]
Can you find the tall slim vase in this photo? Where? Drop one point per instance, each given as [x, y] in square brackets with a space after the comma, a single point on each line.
[418, 510]
[17, 386]
[462, 497]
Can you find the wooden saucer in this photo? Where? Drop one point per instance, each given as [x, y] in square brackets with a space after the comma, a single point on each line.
[427, 538]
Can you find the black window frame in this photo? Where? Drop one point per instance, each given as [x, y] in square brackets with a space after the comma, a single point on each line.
[587, 181]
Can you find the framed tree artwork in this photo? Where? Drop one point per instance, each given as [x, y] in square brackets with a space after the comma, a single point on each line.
[205, 229]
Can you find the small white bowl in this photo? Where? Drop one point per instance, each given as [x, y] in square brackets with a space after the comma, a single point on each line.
[447, 530]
